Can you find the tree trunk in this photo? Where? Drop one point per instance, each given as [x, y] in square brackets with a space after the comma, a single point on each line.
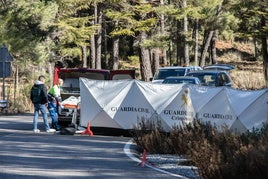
[115, 53]
[93, 51]
[155, 60]
[155, 52]
[205, 49]
[265, 59]
[185, 32]
[264, 52]
[162, 24]
[145, 65]
[170, 52]
[93, 41]
[179, 44]
[196, 42]
[106, 58]
[84, 50]
[99, 39]
[213, 47]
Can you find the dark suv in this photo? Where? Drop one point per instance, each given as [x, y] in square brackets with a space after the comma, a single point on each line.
[212, 78]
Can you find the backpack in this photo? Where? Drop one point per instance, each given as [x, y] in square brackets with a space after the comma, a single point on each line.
[36, 94]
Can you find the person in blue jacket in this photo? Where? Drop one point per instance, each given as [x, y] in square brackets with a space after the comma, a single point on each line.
[52, 109]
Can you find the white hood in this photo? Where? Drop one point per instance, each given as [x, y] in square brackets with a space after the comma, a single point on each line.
[37, 82]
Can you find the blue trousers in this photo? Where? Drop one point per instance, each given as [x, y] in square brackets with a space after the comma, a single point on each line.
[43, 109]
[53, 114]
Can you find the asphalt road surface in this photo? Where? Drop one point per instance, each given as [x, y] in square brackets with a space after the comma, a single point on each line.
[24, 154]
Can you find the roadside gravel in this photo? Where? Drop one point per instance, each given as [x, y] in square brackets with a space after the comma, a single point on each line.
[173, 164]
[169, 164]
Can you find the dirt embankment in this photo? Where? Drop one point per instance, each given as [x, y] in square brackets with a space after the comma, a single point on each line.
[241, 55]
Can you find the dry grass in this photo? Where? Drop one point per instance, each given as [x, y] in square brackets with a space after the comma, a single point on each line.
[248, 72]
[247, 80]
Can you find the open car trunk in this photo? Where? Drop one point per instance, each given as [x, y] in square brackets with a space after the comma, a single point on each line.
[71, 88]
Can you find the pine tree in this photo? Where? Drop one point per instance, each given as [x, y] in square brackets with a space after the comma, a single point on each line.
[74, 29]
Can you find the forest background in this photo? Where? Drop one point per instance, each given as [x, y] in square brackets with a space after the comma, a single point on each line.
[121, 34]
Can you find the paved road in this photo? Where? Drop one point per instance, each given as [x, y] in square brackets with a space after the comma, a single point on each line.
[24, 154]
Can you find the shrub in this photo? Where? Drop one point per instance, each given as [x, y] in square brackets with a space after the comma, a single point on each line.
[216, 154]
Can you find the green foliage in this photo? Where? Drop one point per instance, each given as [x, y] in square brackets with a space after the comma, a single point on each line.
[145, 25]
[48, 15]
[134, 60]
[168, 10]
[74, 27]
[156, 41]
[25, 26]
[142, 9]
[71, 52]
[122, 32]
[73, 31]
[250, 13]
[123, 22]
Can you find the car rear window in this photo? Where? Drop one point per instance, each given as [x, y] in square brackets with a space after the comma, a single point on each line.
[164, 73]
[206, 79]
